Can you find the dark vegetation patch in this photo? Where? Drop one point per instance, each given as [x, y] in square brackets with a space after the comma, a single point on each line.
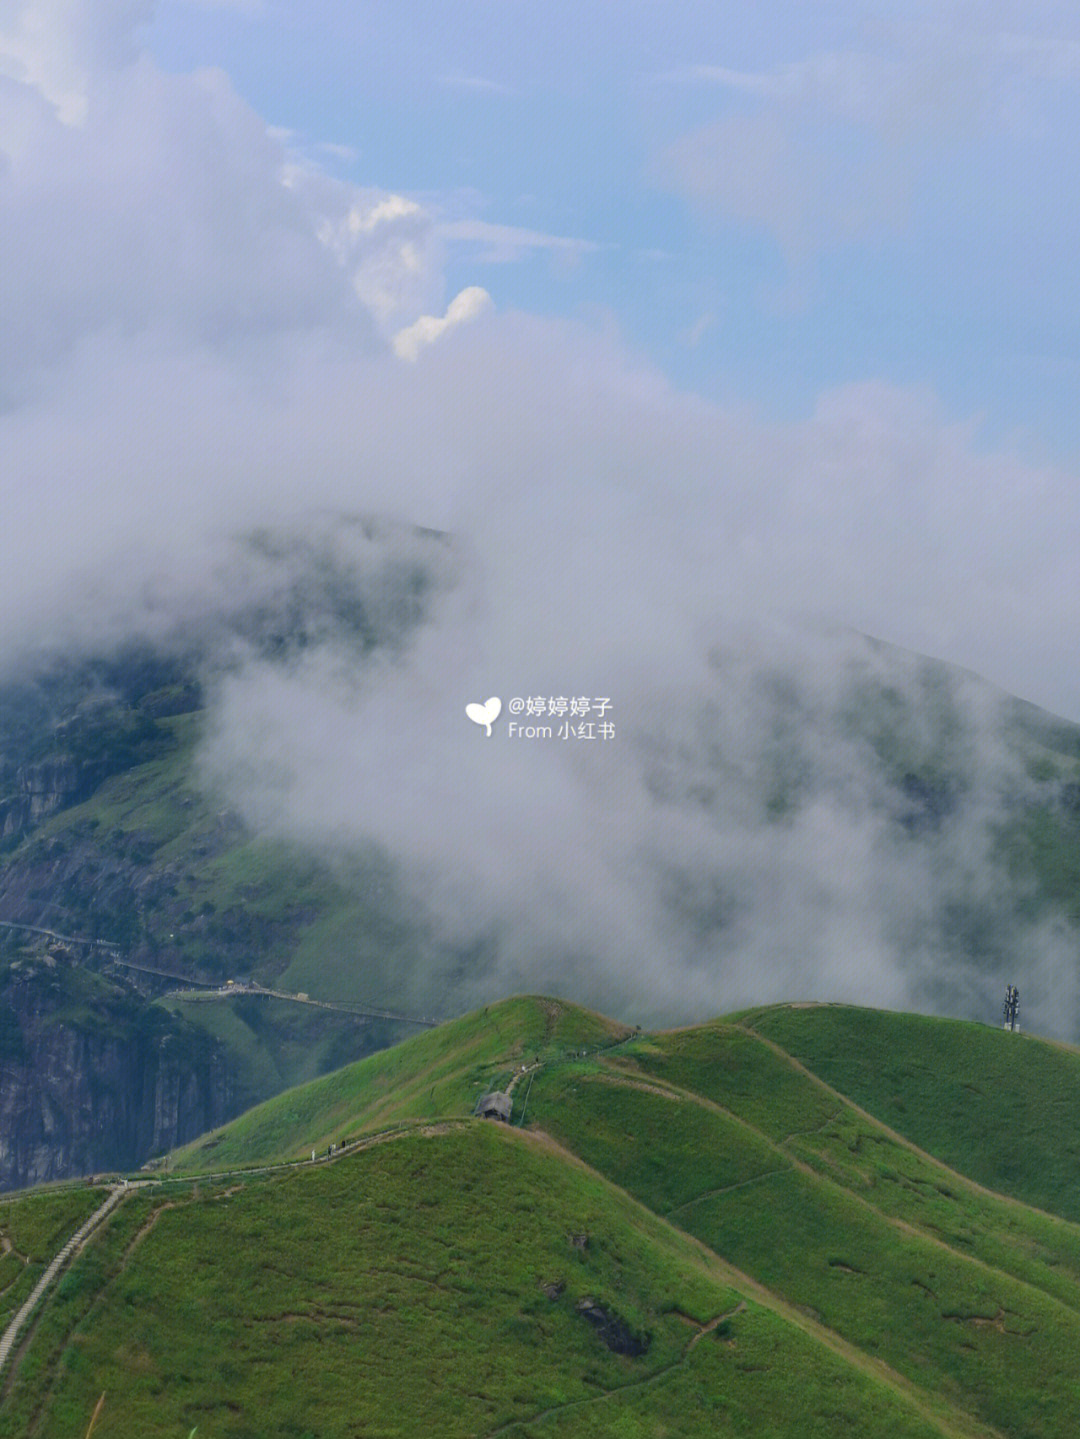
[986, 1321]
[613, 1331]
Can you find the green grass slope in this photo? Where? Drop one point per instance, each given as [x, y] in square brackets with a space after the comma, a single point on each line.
[429, 1286]
[435, 1074]
[150, 862]
[968, 1294]
[32, 1229]
[683, 1233]
[1002, 1108]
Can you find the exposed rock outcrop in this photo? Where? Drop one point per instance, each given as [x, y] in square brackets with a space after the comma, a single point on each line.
[44, 788]
[91, 1080]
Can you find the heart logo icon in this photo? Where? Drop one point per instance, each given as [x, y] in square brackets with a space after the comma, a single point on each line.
[484, 714]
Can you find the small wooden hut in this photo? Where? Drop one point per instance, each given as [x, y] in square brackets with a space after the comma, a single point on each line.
[495, 1105]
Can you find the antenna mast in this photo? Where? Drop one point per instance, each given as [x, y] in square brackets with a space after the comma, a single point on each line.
[1012, 1004]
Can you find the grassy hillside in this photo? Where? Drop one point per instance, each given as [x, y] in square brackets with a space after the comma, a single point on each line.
[186, 887]
[31, 1231]
[899, 1255]
[429, 1286]
[147, 861]
[1003, 1113]
[693, 1232]
[433, 1075]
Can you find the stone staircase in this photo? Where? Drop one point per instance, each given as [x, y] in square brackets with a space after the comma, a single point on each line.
[12, 1332]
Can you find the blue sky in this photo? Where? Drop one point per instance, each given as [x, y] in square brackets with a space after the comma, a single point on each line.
[768, 200]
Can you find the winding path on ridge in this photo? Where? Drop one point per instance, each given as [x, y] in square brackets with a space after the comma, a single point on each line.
[203, 989]
[65, 938]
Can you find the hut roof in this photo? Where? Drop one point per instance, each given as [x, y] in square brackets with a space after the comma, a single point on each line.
[495, 1105]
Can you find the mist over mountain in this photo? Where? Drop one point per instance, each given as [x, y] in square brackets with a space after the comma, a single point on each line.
[805, 813]
[801, 810]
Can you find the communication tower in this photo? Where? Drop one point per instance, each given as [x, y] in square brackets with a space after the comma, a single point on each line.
[1012, 1004]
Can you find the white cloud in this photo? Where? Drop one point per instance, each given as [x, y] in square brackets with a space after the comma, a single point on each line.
[794, 181]
[854, 86]
[609, 537]
[504, 243]
[939, 79]
[693, 336]
[464, 307]
[63, 48]
[386, 243]
[384, 211]
[196, 222]
[346, 153]
[170, 210]
[830, 148]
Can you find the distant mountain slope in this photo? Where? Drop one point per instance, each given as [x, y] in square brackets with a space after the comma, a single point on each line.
[108, 833]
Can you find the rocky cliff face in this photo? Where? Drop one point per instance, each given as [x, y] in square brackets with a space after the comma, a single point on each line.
[91, 1080]
[41, 790]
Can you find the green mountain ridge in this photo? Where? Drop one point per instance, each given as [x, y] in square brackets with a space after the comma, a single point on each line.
[797, 1220]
